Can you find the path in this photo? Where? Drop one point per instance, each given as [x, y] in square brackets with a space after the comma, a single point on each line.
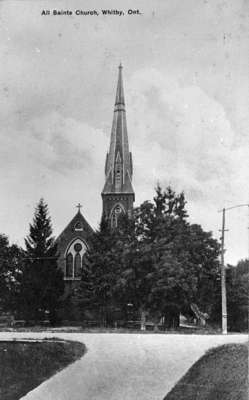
[124, 366]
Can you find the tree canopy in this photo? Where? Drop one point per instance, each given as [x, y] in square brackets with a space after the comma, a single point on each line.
[156, 261]
[237, 278]
[41, 284]
[11, 259]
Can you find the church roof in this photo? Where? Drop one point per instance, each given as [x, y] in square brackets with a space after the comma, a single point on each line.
[84, 230]
[119, 154]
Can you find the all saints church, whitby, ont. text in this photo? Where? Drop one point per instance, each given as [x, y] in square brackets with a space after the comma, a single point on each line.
[94, 12]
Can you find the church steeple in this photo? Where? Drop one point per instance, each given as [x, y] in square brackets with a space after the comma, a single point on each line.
[120, 101]
[118, 167]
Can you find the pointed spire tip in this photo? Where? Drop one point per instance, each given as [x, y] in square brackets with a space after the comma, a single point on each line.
[120, 90]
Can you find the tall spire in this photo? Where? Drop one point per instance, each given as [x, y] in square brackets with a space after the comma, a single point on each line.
[120, 90]
[118, 168]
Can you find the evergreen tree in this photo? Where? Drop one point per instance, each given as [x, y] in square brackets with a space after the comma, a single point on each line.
[42, 282]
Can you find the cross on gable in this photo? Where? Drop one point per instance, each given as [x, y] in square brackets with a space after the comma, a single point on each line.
[79, 206]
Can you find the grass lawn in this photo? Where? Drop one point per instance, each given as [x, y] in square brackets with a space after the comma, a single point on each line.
[221, 374]
[24, 365]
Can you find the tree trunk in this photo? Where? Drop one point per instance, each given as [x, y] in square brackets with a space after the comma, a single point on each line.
[156, 320]
[143, 320]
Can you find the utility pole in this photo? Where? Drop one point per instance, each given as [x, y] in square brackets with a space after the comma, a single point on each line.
[223, 270]
[223, 277]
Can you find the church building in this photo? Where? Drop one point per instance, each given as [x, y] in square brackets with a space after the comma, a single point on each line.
[117, 195]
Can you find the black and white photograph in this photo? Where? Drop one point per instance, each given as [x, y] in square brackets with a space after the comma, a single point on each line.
[124, 199]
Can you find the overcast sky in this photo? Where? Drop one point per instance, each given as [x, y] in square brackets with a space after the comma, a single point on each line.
[186, 86]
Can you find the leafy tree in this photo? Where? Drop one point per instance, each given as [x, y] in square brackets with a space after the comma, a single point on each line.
[133, 283]
[158, 262]
[41, 285]
[195, 253]
[238, 295]
[11, 257]
[170, 263]
[203, 255]
[145, 280]
[95, 294]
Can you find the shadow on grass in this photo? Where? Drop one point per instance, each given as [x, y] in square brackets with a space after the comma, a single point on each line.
[221, 374]
[25, 365]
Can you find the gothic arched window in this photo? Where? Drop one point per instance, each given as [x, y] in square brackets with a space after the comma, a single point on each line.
[69, 265]
[114, 220]
[77, 265]
[74, 258]
[116, 212]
